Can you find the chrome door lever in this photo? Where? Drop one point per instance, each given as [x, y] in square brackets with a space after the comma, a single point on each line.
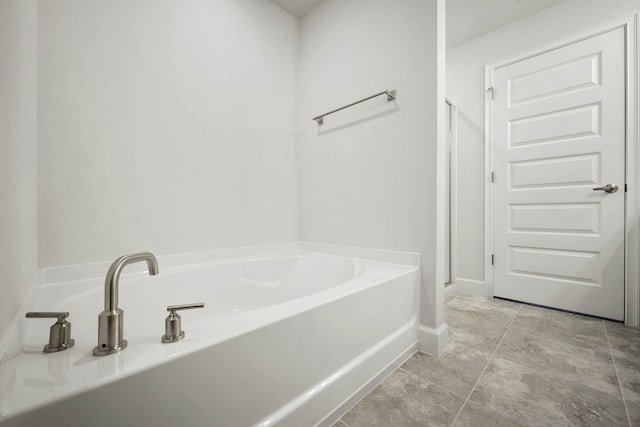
[60, 332]
[609, 188]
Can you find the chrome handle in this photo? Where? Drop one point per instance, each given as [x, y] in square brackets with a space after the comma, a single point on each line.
[59, 333]
[609, 188]
[173, 323]
[174, 308]
[60, 315]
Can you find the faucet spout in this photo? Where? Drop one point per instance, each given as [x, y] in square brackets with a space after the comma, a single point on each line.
[112, 281]
[111, 320]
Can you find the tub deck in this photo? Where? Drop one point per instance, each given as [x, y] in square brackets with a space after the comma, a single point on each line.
[275, 333]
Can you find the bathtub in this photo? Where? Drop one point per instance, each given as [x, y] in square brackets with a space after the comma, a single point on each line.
[290, 340]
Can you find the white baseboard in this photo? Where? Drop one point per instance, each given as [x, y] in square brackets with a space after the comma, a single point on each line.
[449, 291]
[471, 286]
[433, 341]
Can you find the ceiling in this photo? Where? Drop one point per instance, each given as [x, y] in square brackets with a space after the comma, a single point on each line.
[467, 19]
[297, 8]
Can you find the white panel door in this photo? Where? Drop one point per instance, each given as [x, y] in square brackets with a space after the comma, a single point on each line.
[559, 132]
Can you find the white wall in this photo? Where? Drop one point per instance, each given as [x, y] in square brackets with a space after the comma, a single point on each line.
[465, 84]
[164, 127]
[169, 128]
[367, 176]
[18, 154]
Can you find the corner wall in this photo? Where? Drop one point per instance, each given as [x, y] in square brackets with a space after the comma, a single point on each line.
[368, 175]
[18, 154]
[164, 127]
[466, 85]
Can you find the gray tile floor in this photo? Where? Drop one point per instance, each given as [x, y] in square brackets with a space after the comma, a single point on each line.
[511, 364]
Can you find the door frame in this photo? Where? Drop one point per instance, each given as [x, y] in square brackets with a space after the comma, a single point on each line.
[630, 25]
[453, 192]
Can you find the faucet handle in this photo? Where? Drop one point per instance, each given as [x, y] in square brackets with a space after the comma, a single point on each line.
[173, 323]
[59, 333]
[173, 308]
[61, 315]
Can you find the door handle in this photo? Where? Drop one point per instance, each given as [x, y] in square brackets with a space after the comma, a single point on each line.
[609, 188]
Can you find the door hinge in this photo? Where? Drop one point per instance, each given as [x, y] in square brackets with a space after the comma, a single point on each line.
[492, 259]
[625, 187]
[490, 90]
[493, 177]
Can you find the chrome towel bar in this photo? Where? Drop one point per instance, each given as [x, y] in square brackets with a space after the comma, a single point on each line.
[391, 95]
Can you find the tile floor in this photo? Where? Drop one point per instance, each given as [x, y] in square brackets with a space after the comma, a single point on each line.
[510, 364]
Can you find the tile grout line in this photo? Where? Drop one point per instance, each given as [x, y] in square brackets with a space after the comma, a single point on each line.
[400, 368]
[413, 374]
[615, 369]
[487, 365]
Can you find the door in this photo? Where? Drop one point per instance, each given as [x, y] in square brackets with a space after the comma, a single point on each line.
[559, 137]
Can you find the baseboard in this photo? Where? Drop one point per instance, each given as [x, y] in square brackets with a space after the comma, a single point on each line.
[449, 291]
[470, 286]
[433, 341]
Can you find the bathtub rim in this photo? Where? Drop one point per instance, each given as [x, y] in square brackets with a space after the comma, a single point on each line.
[258, 319]
[10, 341]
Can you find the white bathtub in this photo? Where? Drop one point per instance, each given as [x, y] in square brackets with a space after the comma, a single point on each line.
[286, 340]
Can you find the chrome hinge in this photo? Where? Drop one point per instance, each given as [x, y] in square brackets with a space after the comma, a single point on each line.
[493, 177]
[492, 259]
[491, 91]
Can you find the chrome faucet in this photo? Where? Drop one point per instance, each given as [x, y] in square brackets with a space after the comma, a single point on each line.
[111, 320]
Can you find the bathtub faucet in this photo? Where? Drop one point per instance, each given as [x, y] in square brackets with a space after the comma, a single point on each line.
[111, 320]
